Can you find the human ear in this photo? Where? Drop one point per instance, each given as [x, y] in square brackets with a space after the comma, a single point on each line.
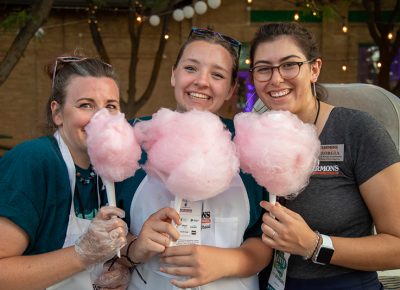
[316, 69]
[56, 113]
[173, 77]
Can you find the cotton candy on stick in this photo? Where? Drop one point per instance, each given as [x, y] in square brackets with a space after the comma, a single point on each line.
[278, 149]
[191, 152]
[113, 149]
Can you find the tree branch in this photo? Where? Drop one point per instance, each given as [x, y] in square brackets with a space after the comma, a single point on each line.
[40, 11]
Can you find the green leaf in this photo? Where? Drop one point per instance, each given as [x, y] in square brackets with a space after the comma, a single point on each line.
[15, 20]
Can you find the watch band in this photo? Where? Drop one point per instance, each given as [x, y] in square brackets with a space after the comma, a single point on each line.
[324, 252]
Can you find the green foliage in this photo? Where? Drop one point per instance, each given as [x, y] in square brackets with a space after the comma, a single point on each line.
[15, 20]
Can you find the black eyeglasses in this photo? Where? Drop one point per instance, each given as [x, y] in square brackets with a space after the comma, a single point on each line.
[68, 59]
[287, 70]
[205, 33]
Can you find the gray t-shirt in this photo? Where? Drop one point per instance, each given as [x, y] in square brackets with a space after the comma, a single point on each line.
[354, 147]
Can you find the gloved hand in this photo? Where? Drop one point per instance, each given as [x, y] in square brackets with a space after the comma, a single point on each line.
[105, 235]
[115, 277]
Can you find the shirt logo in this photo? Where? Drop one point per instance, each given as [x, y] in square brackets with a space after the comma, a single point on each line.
[326, 170]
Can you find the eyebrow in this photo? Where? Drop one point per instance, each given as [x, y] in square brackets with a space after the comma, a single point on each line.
[198, 62]
[280, 61]
[86, 99]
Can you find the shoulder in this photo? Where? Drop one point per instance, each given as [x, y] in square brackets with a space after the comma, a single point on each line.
[31, 157]
[353, 117]
[40, 148]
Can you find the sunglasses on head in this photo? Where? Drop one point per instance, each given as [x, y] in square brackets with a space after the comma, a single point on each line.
[206, 33]
[68, 59]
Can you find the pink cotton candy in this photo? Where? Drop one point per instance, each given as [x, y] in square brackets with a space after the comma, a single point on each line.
[112, 146]
[191, 152]
[278, 149]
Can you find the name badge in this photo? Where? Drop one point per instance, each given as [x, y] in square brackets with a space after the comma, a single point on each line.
[190, 227]
[277, 279]
[332, 152]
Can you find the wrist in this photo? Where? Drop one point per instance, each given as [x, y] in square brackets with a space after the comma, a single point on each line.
[132, 260]
[311, 251]
[324, 252]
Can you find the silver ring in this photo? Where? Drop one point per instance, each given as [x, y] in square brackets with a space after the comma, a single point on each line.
[273, 234]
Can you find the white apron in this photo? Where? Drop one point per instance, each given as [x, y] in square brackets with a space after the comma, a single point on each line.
[229, 216]
[76, 227]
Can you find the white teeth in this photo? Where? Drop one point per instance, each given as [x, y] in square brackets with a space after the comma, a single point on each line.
[277, 94]
[199, 96]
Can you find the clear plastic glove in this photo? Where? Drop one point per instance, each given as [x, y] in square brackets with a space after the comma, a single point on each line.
[106, 234]
[113, 276]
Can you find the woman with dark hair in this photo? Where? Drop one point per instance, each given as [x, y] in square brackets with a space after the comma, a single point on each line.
[329, 228]
[53, 218]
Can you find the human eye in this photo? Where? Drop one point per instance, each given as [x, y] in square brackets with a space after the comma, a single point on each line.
[189, 68]
[263, 69]
[289, 65]
[112, 107]
[218, 76]
[86, 105]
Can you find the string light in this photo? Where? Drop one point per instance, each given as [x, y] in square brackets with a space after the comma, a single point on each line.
[390, 35]
[139, 19]
[247, 61]
[344, 67]
[379, 64]
[166, 36]
[249, 1]
[296, 16]
[344, 28]
[314, 13]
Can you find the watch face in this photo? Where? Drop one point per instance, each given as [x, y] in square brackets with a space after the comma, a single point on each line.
[325, 255]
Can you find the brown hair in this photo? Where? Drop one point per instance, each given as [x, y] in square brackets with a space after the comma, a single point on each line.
[213, 39]
[63, 69]
[303, 38]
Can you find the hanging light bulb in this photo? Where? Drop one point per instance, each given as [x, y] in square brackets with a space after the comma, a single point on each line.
[166, 36]
[344, 67]
[178, 15]
[249, 1]
[379, 65]
[296, 16]
[390, 35]
[344, 28]
[139, 19]
[214, 4]
[154, 20]
[200, 7]
[188, 12]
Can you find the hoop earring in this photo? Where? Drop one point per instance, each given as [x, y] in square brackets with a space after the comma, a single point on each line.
[314, 90]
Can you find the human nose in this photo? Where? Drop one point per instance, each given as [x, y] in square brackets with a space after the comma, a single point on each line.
[276, 75]
[202, 80]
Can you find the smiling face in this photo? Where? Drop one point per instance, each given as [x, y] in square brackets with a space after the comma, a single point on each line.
[294, 95]
[202, 78]
[84, 97]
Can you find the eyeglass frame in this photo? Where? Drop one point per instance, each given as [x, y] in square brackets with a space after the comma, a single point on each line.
[69, 59]
[235, 44]
[278, 67]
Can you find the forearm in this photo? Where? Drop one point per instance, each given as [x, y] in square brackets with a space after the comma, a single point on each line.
[39, 271]
[249, 259]
[372, 253]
